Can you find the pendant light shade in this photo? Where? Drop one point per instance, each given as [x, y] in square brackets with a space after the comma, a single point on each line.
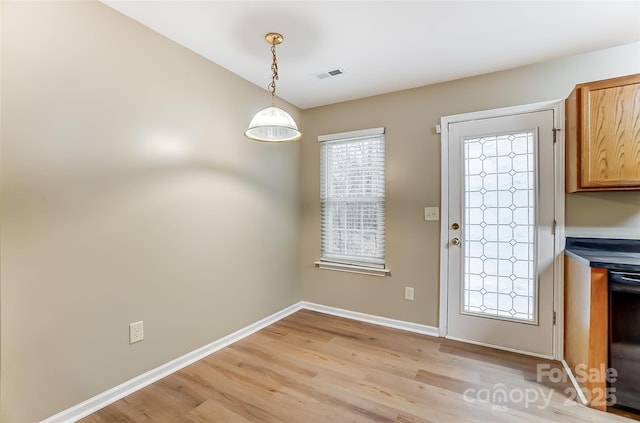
[273, 124]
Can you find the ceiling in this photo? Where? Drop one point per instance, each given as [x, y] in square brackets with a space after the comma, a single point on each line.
[383, 46]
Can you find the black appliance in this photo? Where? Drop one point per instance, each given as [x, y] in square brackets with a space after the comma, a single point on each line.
[624, 337]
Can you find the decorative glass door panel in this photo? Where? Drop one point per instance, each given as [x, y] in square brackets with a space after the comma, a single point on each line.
[499, 222]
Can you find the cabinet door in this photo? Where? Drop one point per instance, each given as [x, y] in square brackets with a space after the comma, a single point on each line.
[611, 133]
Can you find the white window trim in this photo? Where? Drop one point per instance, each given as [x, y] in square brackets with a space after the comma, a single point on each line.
[351, 268]
[375, 269]
[351, 134]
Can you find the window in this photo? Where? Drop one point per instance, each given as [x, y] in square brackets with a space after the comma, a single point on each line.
[352, 197]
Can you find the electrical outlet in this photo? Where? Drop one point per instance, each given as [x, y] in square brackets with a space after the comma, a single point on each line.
[136, 332]
[408, 293]
[431, 213]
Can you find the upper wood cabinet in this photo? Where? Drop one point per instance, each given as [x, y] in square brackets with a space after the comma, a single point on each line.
[603, 135]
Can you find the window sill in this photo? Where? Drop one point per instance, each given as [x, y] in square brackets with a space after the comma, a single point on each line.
[352, 268]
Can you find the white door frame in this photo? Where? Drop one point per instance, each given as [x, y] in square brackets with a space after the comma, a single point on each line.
[558, 272]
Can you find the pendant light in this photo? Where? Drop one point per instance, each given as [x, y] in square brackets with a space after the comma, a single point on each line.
[273, 124]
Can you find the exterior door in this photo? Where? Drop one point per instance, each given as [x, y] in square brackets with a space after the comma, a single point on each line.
[500, 227]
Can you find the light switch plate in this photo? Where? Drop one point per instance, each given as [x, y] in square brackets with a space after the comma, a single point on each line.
[431, 213]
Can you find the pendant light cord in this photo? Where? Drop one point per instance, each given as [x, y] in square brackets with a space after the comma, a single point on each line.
[274, 76]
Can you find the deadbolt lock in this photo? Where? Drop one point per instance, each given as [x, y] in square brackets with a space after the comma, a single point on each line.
[455, 226]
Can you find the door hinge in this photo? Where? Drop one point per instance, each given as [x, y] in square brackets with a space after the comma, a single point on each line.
[555, 132]
[553, 227]
[554, 317]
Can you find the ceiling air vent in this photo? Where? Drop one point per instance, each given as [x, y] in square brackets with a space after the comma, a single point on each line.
[329, 74]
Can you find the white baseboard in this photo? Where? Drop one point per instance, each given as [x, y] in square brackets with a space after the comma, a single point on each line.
[112, 395]
[369, 318]
[103, 399]
[575, 383]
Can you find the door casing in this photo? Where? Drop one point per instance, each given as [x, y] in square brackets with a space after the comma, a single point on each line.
[558, 275]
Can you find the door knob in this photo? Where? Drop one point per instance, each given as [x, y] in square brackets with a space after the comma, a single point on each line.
[455, 241]
[455, 226]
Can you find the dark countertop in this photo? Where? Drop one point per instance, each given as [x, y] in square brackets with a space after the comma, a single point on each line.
[612, 254]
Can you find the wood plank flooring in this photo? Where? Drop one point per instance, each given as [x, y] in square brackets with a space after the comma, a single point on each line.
[311, 367]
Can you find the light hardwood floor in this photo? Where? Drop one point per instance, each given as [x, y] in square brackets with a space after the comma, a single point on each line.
[311, 367]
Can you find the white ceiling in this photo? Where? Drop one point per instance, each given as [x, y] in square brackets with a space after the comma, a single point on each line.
[383, 46]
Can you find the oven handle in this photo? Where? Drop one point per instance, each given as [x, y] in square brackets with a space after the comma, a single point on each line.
[625, 282]
[624, 288]
[631, 279]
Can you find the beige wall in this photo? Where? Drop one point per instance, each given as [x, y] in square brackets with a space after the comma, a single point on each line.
[128, 193]
[604, 215]
[413, 178]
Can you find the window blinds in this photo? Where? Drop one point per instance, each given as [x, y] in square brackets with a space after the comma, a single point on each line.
[352, 197]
